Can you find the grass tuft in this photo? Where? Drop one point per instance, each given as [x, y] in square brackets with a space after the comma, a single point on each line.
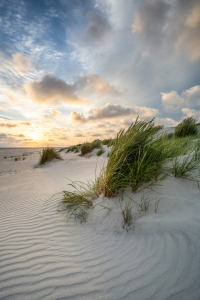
[48, 154]
[88, 147]
[186, 127]
[74, 149]
[75, 202]
[184, 167]
[127, 215]
[100, 152]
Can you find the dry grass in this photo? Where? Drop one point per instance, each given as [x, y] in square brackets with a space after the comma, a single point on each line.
[48, 154]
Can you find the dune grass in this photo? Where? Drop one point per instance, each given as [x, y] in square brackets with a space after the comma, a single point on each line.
[108, 142]
[100, 152]
[127, 215]
[88, 147]
[48, 154]
[184, 167]
[186, 128]
[74, 149]
[139, 158]
[75, 203]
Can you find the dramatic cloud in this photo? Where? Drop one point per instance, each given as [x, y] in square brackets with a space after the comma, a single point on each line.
[51, 89]
[97, 29]
[113, 112]
[151, 20]
[170, 23]
[173, 102]
[21, 61]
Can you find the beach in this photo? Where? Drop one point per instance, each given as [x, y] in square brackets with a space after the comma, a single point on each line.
[43, 257]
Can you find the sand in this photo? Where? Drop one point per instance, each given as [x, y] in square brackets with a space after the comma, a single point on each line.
[43, 258]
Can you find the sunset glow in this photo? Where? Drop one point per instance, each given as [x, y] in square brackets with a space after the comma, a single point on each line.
[73, 71]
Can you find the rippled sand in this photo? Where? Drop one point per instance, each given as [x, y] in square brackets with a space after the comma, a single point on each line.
[43, 258]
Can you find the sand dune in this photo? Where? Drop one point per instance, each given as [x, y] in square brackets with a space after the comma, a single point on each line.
[43, 258]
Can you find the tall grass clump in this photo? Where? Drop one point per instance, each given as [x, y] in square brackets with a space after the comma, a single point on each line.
[48, 154]
[186, 127]
[88, 147]
[74, 149]
[137, 157]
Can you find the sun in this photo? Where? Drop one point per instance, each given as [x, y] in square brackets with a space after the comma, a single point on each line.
[35, 135]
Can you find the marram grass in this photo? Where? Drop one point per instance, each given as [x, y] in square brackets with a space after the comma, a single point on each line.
[186, 128]
[48, 154]
[140, 156]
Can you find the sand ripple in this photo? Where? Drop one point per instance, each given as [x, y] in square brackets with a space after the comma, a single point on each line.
[41, 258]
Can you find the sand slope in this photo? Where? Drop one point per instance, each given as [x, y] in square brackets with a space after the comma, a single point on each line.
[42, 258]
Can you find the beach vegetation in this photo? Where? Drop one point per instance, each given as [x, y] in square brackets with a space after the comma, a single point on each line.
[76, 202]
[74, 149]
[100, 151]
[126, 215]
[184, 167]
[186, 128]
[137, 157]
[89, 147]
[48, 154]
[62, 149]
[108, 142]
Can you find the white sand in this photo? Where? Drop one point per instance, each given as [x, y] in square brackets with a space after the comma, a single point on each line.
[42, 258]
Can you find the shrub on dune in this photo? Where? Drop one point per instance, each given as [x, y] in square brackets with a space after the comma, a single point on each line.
[48, 154]
[186, 127]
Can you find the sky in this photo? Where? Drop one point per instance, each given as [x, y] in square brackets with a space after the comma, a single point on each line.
[76, 71]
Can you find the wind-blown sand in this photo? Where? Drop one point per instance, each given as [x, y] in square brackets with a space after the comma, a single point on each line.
[43, 258]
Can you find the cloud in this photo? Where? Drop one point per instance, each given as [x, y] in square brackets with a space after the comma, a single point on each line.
[8, 125]
[173, 102]
[101, 86]
[21, 61]
[189, 36]
[113, 112]
[150, 21]
[51, 89]
[53, 114]
[174, 24]
[25, 123]
[187, 112]
[98, 28]
[5, 118]
[192, 96]
[11, 125]
[166, 121]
